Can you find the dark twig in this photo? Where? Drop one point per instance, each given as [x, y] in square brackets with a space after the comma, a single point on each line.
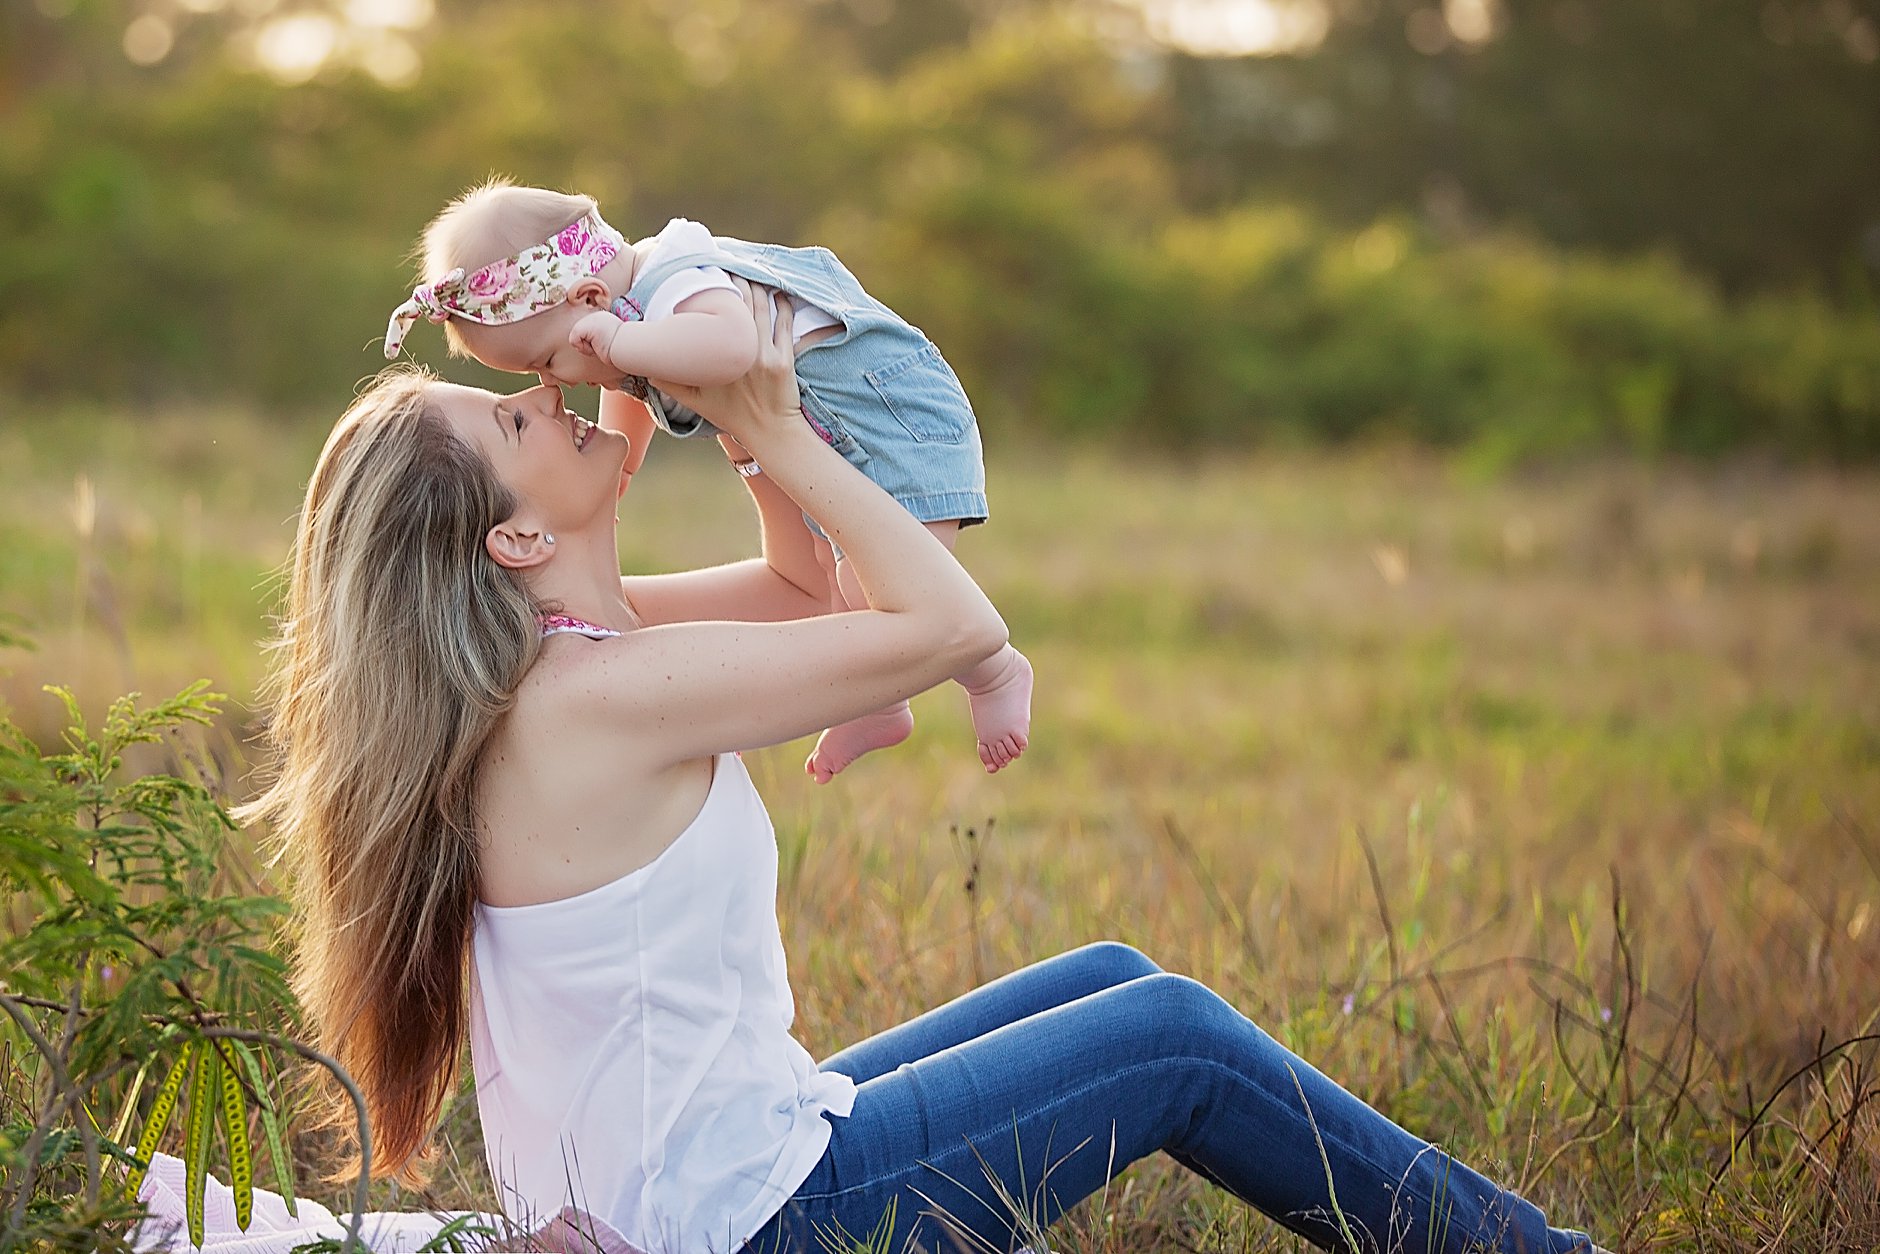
[1482, 1092]
[66, 1096]
[1756, 1117]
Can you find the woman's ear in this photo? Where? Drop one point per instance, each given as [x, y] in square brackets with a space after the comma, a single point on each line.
[514, 546]
[590, 293]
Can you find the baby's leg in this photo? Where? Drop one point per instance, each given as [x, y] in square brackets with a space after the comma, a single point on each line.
[839, 746]
[998, 689]
[826, 558]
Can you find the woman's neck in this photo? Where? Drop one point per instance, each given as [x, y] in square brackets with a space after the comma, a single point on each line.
[583, 578]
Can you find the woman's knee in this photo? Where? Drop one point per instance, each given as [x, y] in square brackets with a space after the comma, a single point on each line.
[1187, 1016]
[1114, 962]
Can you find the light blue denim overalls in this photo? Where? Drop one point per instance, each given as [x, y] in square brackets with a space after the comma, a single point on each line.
[878, 391]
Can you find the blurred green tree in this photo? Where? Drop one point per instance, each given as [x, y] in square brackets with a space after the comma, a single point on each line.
[1742, 135]
[1090, 234]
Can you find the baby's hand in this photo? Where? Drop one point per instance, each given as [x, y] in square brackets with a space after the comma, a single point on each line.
[593, 334]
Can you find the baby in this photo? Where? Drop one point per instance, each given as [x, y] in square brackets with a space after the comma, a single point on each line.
[535, 281]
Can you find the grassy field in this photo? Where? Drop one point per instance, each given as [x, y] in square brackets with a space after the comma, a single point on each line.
[1544, 812]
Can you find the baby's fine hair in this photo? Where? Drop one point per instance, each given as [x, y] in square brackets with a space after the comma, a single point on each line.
[491, 221]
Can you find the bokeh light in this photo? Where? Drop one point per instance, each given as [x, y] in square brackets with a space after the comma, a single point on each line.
[1471, 21]
[293, 49]
[1230, 28]
[389, 58]
[389, 14]
[148, 39]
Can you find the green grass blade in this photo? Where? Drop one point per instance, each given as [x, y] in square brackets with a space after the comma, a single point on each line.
[123, 1124]
[1331, 1189]
[241, 1159]
[160, 1110]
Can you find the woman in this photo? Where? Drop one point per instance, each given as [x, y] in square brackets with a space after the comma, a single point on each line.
[490, 743]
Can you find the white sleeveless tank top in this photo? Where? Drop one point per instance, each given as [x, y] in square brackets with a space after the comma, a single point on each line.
[632, 1049]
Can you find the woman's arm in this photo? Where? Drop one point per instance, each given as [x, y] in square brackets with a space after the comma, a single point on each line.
[687, 690]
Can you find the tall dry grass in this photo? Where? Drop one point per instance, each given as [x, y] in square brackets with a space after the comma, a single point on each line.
[1542, 811]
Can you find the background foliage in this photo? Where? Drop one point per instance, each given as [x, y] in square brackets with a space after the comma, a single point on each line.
[1588, 225]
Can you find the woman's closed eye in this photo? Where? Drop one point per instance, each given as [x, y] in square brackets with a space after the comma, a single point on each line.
[518, 416]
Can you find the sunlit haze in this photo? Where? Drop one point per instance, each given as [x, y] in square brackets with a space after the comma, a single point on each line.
[1226, 28]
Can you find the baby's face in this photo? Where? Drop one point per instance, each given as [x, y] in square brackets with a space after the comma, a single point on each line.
[539, 346]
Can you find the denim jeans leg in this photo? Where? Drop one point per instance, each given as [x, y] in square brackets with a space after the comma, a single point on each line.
[1029, 990]
[1040, 1113]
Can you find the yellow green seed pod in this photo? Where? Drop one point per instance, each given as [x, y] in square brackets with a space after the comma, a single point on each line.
[197, 1139]
[241, 1159]
[160, 1110]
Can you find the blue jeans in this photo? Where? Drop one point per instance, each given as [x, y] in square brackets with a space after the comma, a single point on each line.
[1054, 1078]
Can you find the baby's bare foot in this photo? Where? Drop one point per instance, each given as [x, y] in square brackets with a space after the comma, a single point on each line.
[840, 746]
[1000, 692]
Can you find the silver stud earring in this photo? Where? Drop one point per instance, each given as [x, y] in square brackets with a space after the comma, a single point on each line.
[550, 537]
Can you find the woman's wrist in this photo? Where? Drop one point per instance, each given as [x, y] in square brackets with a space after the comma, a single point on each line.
[777, 440]
[739, 456]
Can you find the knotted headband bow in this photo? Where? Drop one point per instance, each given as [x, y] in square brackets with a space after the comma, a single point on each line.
[514, 288]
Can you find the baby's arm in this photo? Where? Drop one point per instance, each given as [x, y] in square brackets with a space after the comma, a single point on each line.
[709, 340]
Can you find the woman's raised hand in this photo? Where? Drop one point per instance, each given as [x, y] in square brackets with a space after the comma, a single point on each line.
[718, 685]
[767, 392]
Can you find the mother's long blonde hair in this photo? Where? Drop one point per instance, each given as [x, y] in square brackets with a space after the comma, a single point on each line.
[401, 647]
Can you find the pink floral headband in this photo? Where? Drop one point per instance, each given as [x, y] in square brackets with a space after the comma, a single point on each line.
[518, 287]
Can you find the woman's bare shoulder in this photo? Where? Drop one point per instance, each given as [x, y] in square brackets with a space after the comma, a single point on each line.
[577, 702]
[593, 684]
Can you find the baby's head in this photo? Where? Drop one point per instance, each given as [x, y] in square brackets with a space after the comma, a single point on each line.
[509, 270]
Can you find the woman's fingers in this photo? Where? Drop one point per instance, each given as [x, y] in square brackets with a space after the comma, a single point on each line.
[782, 336]
[684, 393]
[775, 346]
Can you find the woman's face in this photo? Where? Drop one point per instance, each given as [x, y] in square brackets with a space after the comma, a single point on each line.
[564, 470]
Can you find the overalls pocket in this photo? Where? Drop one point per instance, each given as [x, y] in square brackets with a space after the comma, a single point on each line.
[828, 424]
[925, 396]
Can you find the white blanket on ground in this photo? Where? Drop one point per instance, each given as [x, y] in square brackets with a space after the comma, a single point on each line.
[272, 1230]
